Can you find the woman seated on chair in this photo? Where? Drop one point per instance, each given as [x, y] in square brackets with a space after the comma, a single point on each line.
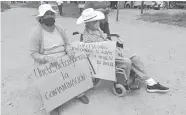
[49, 42]
[93, 33]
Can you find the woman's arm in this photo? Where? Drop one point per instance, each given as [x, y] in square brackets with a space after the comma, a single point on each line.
[35, 46]
[65, 39]
[68, 47]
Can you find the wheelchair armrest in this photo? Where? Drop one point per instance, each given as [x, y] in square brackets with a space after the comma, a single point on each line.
[115, 35]
[74, 33]
[119, 45]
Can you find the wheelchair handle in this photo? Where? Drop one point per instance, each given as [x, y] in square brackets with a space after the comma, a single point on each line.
[113, 35]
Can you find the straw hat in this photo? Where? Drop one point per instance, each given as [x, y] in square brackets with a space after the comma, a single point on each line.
[90, 15]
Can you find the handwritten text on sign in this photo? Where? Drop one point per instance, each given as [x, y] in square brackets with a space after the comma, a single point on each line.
[68, 79]
[102, 57]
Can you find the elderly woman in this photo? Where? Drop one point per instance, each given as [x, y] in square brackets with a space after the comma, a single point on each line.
[49, 41]
[101, 6]
[93, 33]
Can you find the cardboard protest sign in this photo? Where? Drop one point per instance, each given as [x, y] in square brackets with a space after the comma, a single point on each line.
[102, 57]
[60, 83]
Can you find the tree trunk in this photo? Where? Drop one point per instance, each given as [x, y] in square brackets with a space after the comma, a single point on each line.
[142, 6]
[117, 12]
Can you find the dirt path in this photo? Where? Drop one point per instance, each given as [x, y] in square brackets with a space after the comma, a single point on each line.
[162, 47]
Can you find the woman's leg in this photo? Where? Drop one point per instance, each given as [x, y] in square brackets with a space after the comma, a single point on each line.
[84, 99]
[152, 85]
[55, 111]
[139, 68]
[125, 64]
[60, 9]
[81, 97]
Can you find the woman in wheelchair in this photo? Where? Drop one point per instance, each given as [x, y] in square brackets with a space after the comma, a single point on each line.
[93, 33]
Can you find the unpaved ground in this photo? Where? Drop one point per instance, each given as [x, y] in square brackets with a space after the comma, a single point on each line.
[171, 17]
[161, 47]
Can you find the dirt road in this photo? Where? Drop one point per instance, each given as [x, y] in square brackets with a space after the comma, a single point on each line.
[161, 47]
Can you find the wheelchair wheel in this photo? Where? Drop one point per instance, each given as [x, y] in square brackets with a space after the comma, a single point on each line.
[119, 90]
[95, 81]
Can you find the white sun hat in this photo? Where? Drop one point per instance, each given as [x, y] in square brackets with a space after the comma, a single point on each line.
[44, 8]
[89, 15]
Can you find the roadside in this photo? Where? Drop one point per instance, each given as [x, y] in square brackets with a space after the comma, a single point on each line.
[171, 17]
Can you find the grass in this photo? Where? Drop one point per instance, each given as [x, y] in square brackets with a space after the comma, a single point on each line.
[178, 19]
[4, 6]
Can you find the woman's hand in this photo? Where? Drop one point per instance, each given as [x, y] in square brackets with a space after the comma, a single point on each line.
[51, 60]
[71, 56]
[70, 52]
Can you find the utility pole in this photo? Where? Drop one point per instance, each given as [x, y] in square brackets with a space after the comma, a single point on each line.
[117, 11]
[142, 6]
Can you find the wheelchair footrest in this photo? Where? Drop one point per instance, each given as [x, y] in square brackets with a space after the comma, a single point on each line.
[134, 85]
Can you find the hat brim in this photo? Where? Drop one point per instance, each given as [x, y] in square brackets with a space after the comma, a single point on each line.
[99, 16]
[43, 13]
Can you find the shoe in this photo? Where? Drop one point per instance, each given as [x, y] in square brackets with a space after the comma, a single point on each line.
[84, 99]
[157, 88]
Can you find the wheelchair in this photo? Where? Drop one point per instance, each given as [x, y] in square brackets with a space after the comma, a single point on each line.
[122, 84]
